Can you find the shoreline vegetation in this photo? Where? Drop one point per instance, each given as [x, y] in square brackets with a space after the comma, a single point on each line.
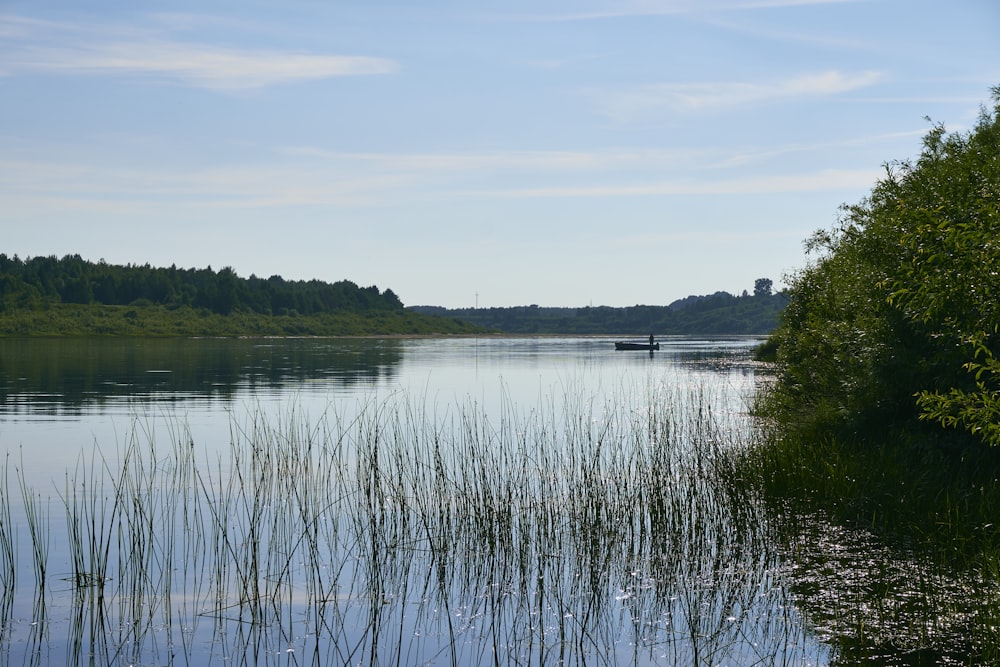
[49, 296]
[71, 296]
[69, 320]
[715, 314]
[884, 410]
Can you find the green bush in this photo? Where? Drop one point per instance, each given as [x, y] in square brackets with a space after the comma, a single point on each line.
[896, 319]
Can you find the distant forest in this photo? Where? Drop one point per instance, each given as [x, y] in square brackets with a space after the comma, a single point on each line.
[71, 295]
[30, 284]
[719, 313]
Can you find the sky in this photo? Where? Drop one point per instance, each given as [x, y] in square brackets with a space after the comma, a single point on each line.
[471, 154]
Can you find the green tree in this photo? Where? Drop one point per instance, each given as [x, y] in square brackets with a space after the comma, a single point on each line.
[903, 298]
[392, 301]
[762, 287]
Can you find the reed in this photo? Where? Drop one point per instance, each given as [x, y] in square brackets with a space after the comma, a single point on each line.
[399, 530]
[8, 554]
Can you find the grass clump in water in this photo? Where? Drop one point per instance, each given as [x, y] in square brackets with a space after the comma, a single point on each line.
[580, 530]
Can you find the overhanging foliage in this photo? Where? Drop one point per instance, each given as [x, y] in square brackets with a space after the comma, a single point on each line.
[897, 317]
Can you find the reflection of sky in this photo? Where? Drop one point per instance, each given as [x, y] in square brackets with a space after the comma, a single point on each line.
[441, 376]
[530, 372]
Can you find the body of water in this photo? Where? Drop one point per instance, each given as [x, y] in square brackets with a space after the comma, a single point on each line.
[59, 398]
[457, 501]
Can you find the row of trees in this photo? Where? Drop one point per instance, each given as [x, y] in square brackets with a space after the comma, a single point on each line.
[719, 313]
[898, 316]
[31, 283]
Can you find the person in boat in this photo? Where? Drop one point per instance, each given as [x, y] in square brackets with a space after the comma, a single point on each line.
[651, 341]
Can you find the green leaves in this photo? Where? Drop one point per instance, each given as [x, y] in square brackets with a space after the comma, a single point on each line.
[976, 410]
[904, 300]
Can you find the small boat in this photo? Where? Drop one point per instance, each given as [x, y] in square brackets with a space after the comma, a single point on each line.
[621, 345]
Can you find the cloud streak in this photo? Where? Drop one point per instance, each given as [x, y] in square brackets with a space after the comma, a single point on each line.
[820, 181]
[643, 8]
[360, 181]
[691, 98]
[61, 49]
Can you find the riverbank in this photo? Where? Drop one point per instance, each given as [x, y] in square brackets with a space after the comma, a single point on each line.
[166, 321]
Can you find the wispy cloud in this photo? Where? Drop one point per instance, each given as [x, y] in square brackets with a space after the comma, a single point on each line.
[641, 101]
[308, 177]
[642, 8]
[302, 176]
[511, 161]
[755, 156]
[196, 65]
[36, 46]
[819, 181]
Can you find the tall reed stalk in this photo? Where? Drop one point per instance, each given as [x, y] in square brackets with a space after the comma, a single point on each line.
[8, 554]
[399, 530]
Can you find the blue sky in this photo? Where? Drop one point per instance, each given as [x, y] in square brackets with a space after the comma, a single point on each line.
[488, 153]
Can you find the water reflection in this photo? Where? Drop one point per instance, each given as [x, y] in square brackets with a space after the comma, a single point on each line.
[71, 376]
[74, 376]
[878, 603]
[491, 501]
[549, 538]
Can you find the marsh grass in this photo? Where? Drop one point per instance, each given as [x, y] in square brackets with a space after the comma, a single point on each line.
[8, 558]
[579, 530]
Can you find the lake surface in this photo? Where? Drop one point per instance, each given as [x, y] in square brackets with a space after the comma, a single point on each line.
[400, 501]
[62, 397]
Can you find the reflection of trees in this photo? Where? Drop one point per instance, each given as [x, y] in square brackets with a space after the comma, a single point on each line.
[878, 603]
[45, 374]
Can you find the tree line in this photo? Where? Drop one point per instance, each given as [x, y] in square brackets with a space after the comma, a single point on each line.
[713, 314]
[32, 283]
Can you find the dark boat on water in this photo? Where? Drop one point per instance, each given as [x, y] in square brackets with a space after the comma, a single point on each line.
[622, 345]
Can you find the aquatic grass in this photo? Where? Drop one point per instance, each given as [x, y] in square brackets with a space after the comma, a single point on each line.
[36, 517]
[8, 554]
[401, 530]
[89, 523]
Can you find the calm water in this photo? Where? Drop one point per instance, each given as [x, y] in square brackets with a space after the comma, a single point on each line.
[59, 398]
[405, 501]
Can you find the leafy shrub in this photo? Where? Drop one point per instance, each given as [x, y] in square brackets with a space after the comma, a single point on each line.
[897, 317]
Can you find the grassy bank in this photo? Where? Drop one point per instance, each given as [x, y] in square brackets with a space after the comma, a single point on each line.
[155, 320]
